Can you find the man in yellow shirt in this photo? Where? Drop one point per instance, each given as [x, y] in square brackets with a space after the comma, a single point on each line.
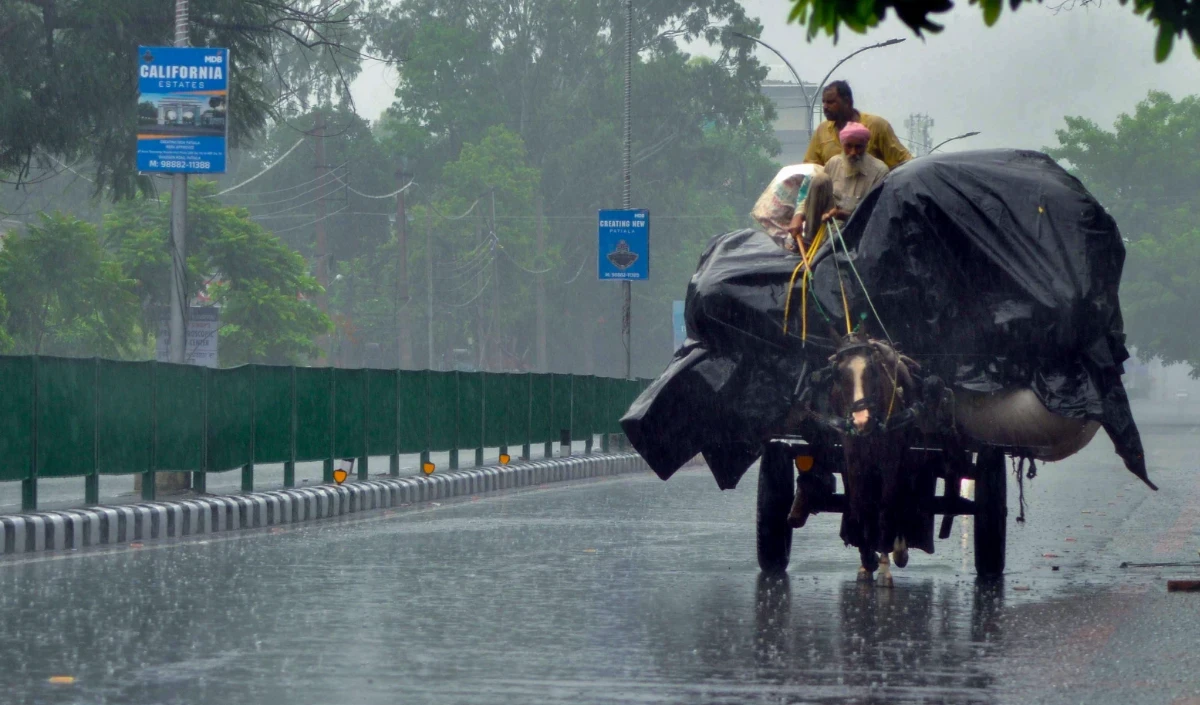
[838, 103]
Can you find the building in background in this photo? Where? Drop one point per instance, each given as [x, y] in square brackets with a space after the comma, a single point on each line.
[794, 122]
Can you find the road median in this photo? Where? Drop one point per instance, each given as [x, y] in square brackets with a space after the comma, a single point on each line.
[120, 524]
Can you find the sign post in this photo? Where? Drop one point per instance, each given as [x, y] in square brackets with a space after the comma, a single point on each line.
[678, 325]
[183, 121]
[623, 238]
[183, 110]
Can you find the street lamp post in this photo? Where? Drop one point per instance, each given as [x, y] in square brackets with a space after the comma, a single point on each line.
[809, 100]
[959, 137]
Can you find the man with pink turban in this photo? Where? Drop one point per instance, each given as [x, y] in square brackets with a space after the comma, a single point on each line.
[846, 180]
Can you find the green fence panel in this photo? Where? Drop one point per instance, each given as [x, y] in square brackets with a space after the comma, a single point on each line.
[604, 420]
[349, 413]
[560, 407]
[272, 414]
[495, 409]
[516, 398]
[314, 413]
[583, 407]
[179, 417]
[413, 416]
[442, 409]
[66, 416]
[16, 418]
[124, 417]
[230, 426]
[382, 407]
[470, 410]
[541, 423]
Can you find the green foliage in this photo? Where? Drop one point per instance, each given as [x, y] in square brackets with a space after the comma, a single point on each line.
[65, 294]
[1146, 172]
[551, 73]
[1173, 18]
[67, 67]
[261, 284]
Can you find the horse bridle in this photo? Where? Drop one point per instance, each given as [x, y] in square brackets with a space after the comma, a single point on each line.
[845, 424]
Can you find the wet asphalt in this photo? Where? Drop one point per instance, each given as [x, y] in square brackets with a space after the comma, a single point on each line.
[630, 590]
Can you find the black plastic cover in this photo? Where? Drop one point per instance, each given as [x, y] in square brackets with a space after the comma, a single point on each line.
[993, 269]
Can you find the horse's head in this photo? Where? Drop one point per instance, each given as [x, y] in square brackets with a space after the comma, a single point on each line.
[872, 382]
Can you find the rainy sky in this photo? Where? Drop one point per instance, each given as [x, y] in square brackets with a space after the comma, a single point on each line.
[1013, 82]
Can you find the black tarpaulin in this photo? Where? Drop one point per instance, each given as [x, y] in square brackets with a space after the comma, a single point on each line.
[992, 268]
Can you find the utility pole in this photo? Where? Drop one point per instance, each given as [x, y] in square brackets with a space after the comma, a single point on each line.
[403, 339]
[176, 352]
[429, 288]
[322, 254]
[541, 288]
[626, 196]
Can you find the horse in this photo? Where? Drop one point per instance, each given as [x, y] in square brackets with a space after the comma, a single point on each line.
[874, 397]
[876, 401]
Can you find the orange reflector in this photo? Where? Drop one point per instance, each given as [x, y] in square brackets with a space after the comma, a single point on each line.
[339, 476]
[428, 468]
[505, 458]
[804, 463]
[62, 680]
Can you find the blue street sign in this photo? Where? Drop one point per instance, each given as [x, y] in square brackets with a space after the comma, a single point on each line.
[183, 109]
[678, 324]
[624, 240]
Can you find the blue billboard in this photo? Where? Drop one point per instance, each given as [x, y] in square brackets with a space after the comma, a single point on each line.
[183, 109]
[624, 240]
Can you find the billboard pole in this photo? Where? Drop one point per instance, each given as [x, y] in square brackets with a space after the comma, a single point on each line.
[626, 200]
[176, 352]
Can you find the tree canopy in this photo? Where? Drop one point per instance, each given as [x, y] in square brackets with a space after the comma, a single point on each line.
[1173, 18]
[68, 87]
[263, 286]
[1146, 171]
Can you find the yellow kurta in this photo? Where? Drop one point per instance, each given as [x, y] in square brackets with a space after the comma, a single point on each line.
[884, 145]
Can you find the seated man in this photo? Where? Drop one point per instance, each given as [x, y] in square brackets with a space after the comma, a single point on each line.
[846, 180]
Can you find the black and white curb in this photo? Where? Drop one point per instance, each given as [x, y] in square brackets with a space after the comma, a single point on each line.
[110, 525]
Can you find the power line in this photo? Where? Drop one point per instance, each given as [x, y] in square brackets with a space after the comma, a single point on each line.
[284, 190]
[269, 167]
[305, 225]
[386, 195]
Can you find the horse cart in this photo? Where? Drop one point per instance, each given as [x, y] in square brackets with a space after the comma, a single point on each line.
[994, 274]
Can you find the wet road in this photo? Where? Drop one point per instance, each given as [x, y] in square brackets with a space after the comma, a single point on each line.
[628, 590]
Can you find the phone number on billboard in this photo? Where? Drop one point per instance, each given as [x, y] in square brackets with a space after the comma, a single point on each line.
[623, 275]
[178, 164]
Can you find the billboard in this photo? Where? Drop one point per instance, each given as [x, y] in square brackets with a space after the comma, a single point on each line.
[623, 237]
[183, 109]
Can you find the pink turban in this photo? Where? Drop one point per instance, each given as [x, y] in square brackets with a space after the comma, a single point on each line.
[855, 132]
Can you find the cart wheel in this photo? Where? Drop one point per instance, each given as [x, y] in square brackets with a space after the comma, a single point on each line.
[991, 513]
[776, 492]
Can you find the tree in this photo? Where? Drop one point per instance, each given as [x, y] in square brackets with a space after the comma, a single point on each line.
[1174, 18]
[1146, 171]
[550, 72]
[65, 294]
[68, 67]
[261, 284]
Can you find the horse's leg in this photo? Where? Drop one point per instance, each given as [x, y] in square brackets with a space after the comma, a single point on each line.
[870, 563]
[900, 552]
[885, 573]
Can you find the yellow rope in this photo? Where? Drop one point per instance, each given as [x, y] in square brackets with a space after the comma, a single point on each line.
[805, 264]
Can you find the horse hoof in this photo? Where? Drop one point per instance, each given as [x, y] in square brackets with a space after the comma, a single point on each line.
[864, 576]
[900, 558]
